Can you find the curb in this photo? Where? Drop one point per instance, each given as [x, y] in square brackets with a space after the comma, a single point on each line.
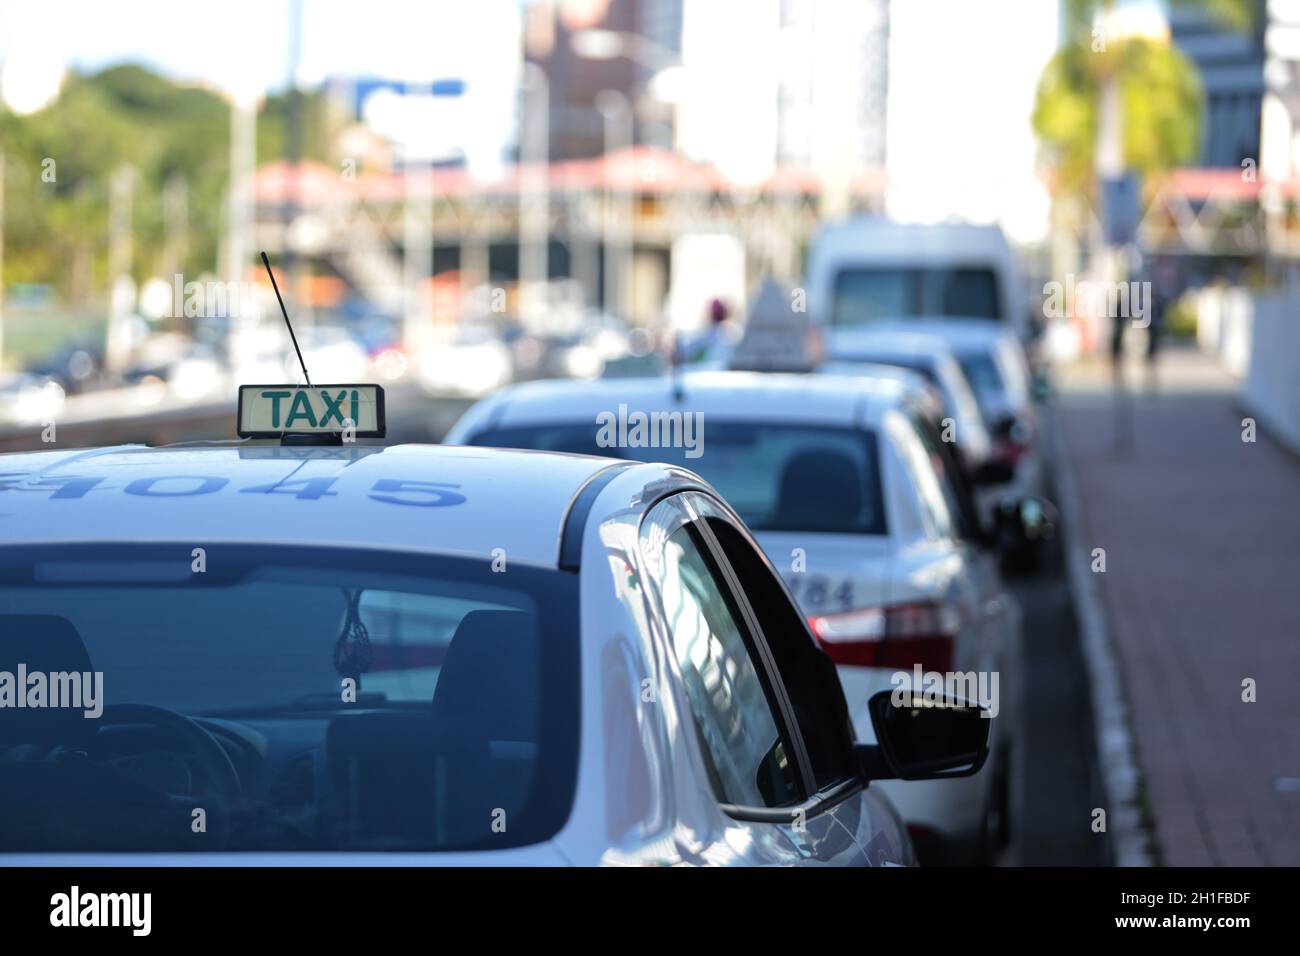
[1131, 844]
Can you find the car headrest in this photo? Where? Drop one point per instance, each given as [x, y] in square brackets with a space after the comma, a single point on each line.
[489, 687]
[821, 490]
[48, 644]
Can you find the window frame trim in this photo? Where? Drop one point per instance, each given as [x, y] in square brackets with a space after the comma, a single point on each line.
[814, 801]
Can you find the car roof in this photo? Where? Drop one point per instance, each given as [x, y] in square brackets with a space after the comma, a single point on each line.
[908, 382]
[515, 500]
[848, 399]
[881, 239]
[960, 333]
[890, 340]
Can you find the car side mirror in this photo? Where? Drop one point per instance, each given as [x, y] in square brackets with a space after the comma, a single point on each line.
[992, 472]
[1003, 426]
[920, 738]
[1021, 528]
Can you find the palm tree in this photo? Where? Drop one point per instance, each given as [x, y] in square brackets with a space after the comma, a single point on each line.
[1108, 104]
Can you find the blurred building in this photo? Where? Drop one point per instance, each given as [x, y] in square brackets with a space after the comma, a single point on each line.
[576, 128]
[785, 84]
[1231, 65]
[831, 94]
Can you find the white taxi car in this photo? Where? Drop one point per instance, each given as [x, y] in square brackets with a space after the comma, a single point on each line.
[857, 500]
[931, 357]
[289, 652]
[997, 369]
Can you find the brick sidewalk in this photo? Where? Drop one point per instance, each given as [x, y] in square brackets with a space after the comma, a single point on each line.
[1202, 589]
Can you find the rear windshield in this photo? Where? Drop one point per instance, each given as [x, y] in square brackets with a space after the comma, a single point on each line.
[868, 294]
[778, 476]
[922, 366]
[985, 378]
[269, 698]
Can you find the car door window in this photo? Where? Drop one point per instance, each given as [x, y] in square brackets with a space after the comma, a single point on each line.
[925, 480]
[723, 681]
[806, 673]
[951, 482]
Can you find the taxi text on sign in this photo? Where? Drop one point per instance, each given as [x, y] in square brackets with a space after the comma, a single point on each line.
[269, 411]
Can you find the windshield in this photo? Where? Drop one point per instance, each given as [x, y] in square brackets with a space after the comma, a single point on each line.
[778, 477]
[263, 698]
[868, 294]
[984, 376]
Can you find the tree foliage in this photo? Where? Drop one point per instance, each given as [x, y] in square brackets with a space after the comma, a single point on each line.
[1160, 89]
[60, 162]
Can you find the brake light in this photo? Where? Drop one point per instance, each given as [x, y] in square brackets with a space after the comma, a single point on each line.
[1008, 452]
[891, 635]
[1017, 441]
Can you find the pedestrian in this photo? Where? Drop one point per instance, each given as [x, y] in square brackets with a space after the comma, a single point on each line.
[716, 342]
[1164, 293]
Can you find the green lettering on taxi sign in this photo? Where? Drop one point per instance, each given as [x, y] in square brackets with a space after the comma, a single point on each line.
[273, 411]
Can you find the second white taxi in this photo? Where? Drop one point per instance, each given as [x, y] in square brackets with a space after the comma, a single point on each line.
[857, 500]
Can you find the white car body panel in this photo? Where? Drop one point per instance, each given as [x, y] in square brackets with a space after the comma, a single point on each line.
[519, 501]
[994, 341]
[909, 563]
[904, 347]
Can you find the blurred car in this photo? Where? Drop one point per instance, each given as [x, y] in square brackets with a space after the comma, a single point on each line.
[470, 358]
[997, 369]
[155, 356]
[932, 357]
[354, 681]
[27, 399]
[849, 489]
[332, 353]
[865, 269]
[77, 368]
[199, 374]
[584, 351]
[371, 324]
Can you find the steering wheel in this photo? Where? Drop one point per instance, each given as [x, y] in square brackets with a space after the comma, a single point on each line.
[214, 763]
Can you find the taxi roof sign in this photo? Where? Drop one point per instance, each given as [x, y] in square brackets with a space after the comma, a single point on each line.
[777, 337]
[277, 411]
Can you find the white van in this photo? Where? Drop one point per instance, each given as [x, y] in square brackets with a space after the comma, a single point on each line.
[865, 269]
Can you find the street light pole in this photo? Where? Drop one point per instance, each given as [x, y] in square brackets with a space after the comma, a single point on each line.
[290, 264]
[2, 260]
[614, 107]
[240, 213]
[175, 225]
[616, 112]
[417, 244]
[121, 289]
[239, 197]
[534, 192]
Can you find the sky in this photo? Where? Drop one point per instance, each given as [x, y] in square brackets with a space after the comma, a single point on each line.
[242, 45]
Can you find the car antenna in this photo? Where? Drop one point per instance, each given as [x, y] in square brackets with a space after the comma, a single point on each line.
[285, 312]
[675, 359]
